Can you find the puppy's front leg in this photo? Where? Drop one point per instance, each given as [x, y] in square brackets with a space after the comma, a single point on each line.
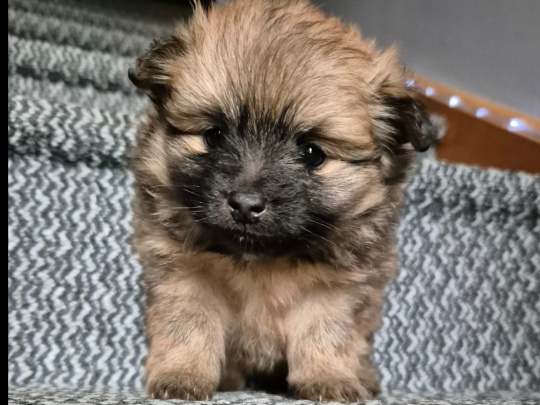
[186, 331]
[325, 350]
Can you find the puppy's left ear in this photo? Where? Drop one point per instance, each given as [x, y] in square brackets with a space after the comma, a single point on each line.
[410, 121]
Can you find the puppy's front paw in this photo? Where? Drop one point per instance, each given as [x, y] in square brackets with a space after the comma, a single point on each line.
[331, 391]
[180, 386]
[372, 386]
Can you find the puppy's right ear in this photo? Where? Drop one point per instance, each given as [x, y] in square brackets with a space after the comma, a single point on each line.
[152, 73]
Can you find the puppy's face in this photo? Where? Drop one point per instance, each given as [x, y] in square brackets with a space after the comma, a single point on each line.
[276, 129]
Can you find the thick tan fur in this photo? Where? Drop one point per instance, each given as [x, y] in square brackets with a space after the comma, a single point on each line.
[214, 319]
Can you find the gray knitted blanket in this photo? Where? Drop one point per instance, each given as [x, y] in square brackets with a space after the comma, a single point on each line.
[461, 320]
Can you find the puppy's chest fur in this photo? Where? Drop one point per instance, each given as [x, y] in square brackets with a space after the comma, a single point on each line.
[257, 336]
[261, 301]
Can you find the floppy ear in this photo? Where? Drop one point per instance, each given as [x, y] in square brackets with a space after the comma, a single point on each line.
[403, 122]
[402, 118]
[401, 125]
[152, 73]
[410, 122]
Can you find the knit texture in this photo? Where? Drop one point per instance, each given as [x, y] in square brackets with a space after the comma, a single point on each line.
[463, 315]
[78, 397]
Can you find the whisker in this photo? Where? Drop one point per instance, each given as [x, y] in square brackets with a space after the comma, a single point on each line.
[190, 192]
[325, 224]
[187, 208]
[322, 237]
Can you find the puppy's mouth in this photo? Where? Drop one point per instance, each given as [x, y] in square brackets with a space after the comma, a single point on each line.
[246, 240]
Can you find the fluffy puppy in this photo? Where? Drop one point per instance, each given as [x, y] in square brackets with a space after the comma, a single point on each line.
[267, 180]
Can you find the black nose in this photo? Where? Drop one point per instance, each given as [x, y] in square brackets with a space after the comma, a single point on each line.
[246, 207]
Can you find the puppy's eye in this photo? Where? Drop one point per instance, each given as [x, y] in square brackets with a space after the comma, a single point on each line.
[213, 137]
[312, 155]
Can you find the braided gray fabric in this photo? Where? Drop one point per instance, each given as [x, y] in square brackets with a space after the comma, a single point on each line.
[68, 132]
[90, 16]
[61, 93]
[71, 65]
[463, 316]
[48, 397]
[38, 27]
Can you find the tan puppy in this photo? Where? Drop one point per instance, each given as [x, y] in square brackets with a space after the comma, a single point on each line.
[267, 185]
